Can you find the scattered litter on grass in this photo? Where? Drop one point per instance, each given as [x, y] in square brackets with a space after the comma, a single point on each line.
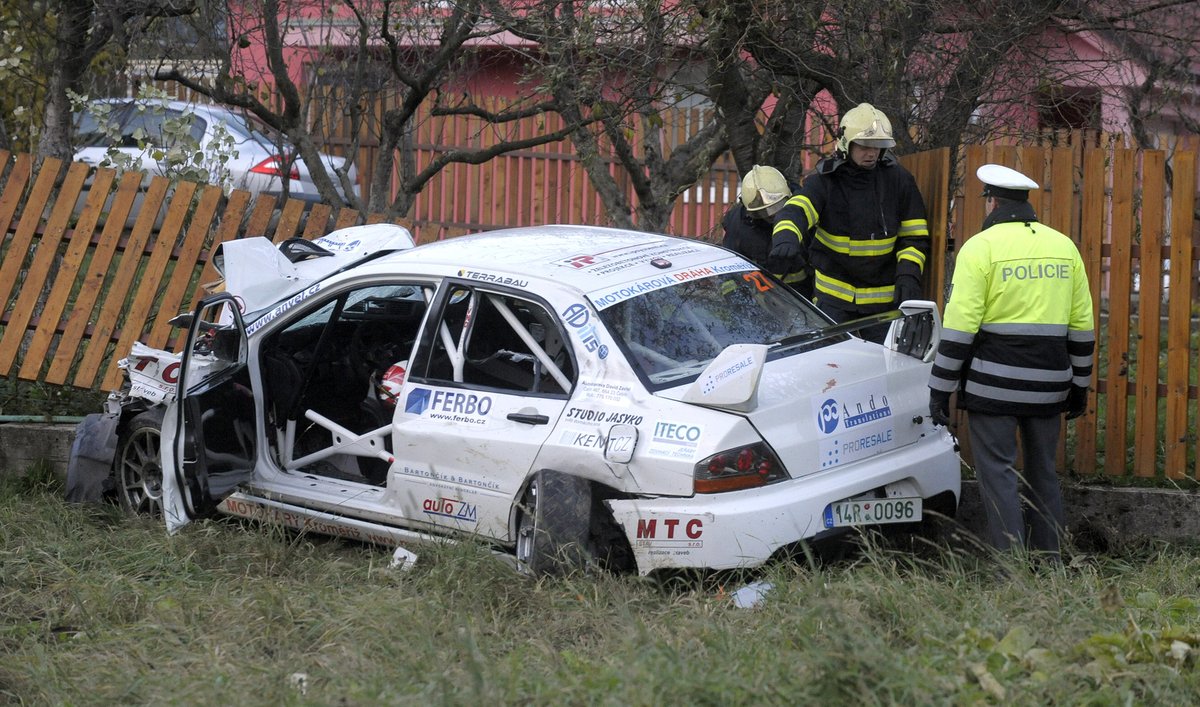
[299, 682]
[403, 559]
[751, 595]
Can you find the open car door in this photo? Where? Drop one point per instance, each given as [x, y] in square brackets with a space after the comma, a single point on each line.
[215, 438]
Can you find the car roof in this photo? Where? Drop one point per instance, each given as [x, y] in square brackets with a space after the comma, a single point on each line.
[585, 258]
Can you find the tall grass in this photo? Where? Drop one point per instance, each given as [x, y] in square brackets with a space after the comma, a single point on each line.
[98, 608]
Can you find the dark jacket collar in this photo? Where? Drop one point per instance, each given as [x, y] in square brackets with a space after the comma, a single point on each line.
[838, 160]
[1010, 211]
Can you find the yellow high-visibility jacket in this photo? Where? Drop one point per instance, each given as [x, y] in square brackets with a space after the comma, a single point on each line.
[1018, 329]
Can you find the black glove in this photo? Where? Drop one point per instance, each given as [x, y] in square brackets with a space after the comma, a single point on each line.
[1076, 401]
[908, 287]
[786, 255]
[939, 407]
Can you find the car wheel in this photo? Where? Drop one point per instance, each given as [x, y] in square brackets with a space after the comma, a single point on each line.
[552, 532]
[138, 472]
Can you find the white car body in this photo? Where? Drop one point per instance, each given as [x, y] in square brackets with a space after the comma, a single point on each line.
[822, 423]
[255, 165]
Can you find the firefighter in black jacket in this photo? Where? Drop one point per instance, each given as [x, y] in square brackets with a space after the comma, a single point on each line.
[748, 225]
[859, 222]
[1017, 344]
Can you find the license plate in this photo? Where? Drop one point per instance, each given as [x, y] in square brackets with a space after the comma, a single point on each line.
[873, 511]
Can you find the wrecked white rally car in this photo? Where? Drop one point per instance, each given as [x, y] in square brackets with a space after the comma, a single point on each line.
[570, 394]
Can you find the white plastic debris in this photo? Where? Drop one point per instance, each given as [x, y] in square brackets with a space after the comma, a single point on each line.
[751, 595]
[403, 559]
[299, 682]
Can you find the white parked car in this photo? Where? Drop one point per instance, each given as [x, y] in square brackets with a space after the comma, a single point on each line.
[573, 394]
[256, 165]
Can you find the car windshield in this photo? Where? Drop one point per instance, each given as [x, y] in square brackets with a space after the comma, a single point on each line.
[672, 334]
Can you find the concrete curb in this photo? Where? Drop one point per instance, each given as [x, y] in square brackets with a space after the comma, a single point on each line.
[1099, 518]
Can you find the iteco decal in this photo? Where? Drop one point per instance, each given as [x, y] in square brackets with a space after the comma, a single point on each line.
[675, 440]
[856, 422]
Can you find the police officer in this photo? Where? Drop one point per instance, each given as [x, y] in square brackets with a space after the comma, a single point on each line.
[859, 220]
[1017, 344]
[748, 224]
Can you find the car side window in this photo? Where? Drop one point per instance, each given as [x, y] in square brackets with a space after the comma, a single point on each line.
[499, 341]
[337, 359]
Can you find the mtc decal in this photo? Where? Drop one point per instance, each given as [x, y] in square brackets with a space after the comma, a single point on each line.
[649, 528]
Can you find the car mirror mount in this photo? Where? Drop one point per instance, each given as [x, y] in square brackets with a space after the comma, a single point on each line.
[918, 332]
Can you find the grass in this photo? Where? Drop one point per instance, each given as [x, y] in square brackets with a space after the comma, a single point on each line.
[97, 608]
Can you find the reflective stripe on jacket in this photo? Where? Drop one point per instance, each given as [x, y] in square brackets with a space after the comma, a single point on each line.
[1019, 319]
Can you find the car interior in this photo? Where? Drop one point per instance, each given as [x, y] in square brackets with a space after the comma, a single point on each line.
[326, 398]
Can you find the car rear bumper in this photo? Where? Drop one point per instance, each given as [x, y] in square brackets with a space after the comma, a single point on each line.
[744, 528]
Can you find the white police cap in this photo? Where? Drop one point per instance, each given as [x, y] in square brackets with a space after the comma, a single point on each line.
[1004, 182]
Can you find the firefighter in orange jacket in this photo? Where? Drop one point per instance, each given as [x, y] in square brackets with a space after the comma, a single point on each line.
[859, 223]
[1017, 343]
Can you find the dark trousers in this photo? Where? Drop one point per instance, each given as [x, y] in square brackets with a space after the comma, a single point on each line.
[1023, 510]
[841, 311]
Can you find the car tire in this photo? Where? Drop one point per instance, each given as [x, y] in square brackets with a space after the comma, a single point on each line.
[136, 467]
[552, 530]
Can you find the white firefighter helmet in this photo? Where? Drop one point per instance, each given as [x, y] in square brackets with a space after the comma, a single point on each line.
[866, 125]
[763, 188]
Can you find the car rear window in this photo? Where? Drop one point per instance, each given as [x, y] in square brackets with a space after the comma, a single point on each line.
[670, 335]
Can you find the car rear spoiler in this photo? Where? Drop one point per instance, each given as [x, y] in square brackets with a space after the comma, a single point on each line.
[259, 273]
[731, 380]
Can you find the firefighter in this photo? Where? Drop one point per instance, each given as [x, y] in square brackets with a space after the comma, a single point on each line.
[748, 224]
[1017, 344]
[859, 222]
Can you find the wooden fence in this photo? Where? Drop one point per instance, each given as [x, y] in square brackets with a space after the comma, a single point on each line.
[83, 274]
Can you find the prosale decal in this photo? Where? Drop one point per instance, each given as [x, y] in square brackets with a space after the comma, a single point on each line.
[855, 422]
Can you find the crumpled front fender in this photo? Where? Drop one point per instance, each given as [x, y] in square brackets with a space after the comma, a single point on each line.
[89, 469]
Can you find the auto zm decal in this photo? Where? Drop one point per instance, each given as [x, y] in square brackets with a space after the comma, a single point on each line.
[450, 508]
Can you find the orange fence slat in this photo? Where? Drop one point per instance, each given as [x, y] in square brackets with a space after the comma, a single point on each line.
[318, 221]
[138, 314]
[41, 270]
[1090, 246]
[14, 190]
[122, 281]
[93, 283]
[1179, 312]
[289, 220]
[1119, 286]
[185, 266]
[1149, 308]
[50, 318]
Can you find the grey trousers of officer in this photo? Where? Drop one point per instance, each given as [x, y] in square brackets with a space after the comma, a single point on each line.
[1016, 502]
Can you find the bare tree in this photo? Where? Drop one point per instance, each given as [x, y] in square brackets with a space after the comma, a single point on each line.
[82, 29]
[409, 58]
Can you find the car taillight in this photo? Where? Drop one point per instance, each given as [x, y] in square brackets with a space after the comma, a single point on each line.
[739, 468]
[273, 166]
